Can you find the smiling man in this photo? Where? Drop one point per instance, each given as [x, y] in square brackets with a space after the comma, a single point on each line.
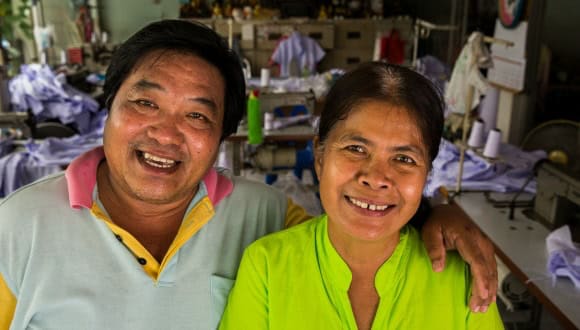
[143, 233]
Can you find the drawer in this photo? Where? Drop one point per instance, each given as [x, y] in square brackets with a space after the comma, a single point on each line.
[354, 34]
[346, 59]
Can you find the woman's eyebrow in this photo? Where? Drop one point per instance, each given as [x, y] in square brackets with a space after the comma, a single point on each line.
[409, 148]
[355, 138]
[146, 84]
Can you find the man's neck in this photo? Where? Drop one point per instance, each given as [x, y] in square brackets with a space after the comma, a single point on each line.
[153, 225]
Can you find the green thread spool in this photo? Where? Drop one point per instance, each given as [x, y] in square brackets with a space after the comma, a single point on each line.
[254, 119]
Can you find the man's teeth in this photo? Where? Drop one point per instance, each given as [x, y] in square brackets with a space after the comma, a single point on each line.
[158, 161]
[364, 205]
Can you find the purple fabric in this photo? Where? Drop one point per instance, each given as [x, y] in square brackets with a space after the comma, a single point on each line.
[303, 49]
[507, 175]
[34, 160]
[38, 159]
[564, 255]
[48, 97]
[432, 68]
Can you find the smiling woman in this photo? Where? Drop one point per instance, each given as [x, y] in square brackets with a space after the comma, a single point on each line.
[360, 266]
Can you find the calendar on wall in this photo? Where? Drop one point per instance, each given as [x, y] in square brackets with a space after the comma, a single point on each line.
[508, 73]
[509, 63]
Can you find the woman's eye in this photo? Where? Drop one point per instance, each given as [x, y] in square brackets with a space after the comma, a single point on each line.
[197, 115]
[405, 159]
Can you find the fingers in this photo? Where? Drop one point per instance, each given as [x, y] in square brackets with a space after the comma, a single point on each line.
[435, 245]
[478, 252]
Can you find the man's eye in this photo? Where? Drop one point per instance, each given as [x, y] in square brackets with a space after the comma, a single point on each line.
[356, 149]
[146, 103]
[405, 159]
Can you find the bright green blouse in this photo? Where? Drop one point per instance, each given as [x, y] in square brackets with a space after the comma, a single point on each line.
[295, 279]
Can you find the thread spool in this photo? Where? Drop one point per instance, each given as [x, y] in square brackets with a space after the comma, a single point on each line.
[268, 121]
[476, 139]
[63, 58]
[264, 77]
[492, 144]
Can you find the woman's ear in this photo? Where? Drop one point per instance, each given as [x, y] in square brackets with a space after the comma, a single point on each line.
[318, 151]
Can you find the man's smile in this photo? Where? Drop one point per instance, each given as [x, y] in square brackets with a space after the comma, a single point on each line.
[157, 161]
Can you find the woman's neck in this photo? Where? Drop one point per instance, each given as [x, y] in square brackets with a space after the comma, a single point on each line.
[361, 254]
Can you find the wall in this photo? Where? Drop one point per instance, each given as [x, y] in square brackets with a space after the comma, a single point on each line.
[123, 18]
[560, 33]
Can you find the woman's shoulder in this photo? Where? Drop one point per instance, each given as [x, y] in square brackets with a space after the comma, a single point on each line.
[288, 241]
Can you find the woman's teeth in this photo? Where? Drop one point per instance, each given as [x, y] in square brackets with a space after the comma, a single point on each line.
[158, 161]
[368, 206]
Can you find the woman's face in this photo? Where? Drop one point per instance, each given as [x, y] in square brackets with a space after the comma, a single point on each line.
[372, 169]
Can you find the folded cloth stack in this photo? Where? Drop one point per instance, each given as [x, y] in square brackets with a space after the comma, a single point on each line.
[564, 255]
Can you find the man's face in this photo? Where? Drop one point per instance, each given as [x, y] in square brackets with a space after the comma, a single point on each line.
[164, 128]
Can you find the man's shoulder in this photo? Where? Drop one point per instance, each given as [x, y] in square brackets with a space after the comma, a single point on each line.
[21, 209]
[45, 192]
[254, 189]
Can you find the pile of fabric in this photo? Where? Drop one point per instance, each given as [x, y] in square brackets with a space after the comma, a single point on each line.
[506, 174]
[47, 96]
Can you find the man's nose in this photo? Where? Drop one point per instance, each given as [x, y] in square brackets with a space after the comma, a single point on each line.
[166, 130]
[376, 174]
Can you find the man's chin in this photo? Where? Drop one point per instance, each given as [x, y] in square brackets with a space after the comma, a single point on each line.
[160, 197]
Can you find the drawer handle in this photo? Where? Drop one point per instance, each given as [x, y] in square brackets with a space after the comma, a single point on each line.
[315, 35]
[353, 35]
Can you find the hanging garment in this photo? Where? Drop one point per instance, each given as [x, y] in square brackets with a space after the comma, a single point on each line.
[301, 50]
[393, 48]
[474, 56]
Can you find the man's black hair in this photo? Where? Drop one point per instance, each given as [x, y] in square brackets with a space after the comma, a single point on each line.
[188, 37]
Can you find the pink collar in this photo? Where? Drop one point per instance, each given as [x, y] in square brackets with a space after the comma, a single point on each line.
[81, 177]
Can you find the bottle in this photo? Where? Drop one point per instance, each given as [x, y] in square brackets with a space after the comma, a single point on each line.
[254, 119]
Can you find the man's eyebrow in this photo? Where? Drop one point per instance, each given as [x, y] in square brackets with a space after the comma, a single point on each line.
[210, 104]
[143, 84]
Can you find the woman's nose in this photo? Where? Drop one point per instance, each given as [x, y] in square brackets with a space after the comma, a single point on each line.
[376, 175]
[166, 131]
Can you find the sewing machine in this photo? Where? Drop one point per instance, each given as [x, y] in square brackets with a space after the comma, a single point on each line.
[14, 125]
[557, 200]
[270, 100]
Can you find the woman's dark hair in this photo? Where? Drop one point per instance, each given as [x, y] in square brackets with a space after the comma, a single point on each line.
[188, 37]
[396, 85]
